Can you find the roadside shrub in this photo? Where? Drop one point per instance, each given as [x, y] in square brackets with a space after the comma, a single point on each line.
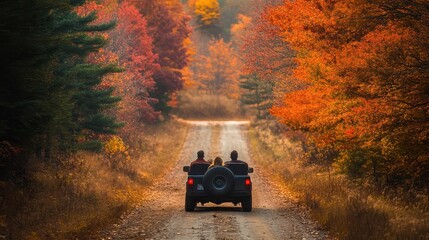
[116, 152]
[357, 219]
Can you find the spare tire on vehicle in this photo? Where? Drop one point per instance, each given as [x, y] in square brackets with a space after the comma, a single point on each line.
[218, 181]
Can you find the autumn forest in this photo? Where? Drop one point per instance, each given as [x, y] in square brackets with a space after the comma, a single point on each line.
[93, 90]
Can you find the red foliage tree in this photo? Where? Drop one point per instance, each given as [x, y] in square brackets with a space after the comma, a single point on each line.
[131, 47]
[168, 25]
[131, 42]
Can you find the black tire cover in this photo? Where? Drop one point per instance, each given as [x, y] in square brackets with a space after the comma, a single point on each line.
[218, 181]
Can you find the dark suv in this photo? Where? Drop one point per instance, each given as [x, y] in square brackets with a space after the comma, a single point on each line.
[218, 185]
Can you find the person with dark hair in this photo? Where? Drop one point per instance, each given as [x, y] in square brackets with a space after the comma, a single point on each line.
[200, 159]
[234, 159]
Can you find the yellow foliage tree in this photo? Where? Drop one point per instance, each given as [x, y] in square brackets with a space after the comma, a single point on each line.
[207, 11]
[116, 151]
[187, 74]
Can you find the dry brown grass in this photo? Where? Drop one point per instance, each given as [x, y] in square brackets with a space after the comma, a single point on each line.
[83, 193]
[349, 209]
[206, 106]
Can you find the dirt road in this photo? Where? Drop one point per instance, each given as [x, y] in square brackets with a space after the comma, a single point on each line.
[162, 216]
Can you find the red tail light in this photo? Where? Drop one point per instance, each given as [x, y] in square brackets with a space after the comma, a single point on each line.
[247, 182]
[190, 182]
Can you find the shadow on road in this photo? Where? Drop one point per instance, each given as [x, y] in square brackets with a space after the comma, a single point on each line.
[217, 209]
[201, 209]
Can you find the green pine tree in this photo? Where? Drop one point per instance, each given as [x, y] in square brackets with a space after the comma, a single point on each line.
[31, 103]
[81, 79]
[50, 97]
[258, 94]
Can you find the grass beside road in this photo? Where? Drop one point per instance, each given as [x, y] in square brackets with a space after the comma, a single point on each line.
[84, 193]
[201, 106]
[349, 209]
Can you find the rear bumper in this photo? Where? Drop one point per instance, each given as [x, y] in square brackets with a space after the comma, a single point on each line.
[203, 197]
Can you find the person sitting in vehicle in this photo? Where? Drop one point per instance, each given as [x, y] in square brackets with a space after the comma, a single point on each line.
[218, 162]
[234, 159]
[199, 166]
[200, 159]
[237, 166]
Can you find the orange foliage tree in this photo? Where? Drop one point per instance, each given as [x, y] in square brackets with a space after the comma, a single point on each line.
[263, 51]
[267, 59]
[218, 72]
[364, 65]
